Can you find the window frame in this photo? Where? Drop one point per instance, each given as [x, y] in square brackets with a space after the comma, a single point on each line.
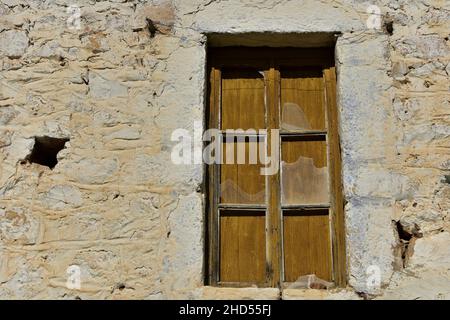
[272, 60]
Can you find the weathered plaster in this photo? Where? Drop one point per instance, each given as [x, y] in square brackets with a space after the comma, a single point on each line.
[117, 207]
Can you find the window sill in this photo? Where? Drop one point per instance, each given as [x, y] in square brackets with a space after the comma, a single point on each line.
[318, 294]
[253, 293]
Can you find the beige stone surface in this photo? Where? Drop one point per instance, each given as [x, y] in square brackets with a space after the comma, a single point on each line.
[240, 293]
[117, 207]
[315, 294]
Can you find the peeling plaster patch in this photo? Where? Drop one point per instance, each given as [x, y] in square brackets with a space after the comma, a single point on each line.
[129, 216]
[62, 197]
[92, 170]
[432, 252]
[18, 226]
[102, 88]
[13, 43]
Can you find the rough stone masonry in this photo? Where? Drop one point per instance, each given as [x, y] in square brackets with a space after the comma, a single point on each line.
[110, 80]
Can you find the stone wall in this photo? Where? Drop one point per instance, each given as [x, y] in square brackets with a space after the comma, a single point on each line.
[120, 79]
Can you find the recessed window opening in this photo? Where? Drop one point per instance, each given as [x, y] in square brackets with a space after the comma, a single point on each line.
[274, 230]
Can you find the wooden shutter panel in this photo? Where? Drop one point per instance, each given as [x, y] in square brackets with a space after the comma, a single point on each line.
[337, 198]
[305, 196]
[242, 187]
[307, 247]
[243, 246]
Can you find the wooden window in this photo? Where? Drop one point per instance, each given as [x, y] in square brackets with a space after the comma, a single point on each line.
[269, 230]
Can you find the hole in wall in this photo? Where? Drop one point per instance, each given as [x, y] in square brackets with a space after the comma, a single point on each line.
[45, 151]
[447, 178]
[388, 27]
[365, 295]
[407, 236]
[151, 28]
[402, 233]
